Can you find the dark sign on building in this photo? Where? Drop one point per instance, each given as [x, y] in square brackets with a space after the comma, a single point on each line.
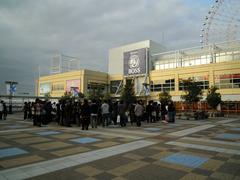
[135, 62]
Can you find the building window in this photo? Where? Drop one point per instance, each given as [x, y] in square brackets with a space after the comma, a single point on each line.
[114, 85]
[97, 88]
[57, 87]
[203, 82]
[168, 85]
[227, 81]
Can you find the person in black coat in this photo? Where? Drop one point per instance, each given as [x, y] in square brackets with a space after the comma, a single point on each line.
[86, 114]
[5, 111]
[171, 112]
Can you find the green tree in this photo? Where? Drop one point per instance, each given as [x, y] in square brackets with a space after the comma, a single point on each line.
[81, 95]
[96, 93]
[213, 98]
[47, 95]
[164, 98]
[66, 96]
[192, 92]
[107, 96]
[128, 94]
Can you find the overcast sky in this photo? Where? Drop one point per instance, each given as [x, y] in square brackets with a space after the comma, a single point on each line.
[32, 31]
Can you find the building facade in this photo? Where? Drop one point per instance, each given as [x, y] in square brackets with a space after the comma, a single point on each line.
[213, 65]
[83, 81]
[152, 71]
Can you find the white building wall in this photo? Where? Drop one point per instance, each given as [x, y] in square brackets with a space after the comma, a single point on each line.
[115, 56]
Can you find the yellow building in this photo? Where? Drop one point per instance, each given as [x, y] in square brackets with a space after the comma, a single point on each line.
[75, 81]
[213, 65]
[152, 71]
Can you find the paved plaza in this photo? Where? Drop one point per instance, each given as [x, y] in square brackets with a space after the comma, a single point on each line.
[203, 149]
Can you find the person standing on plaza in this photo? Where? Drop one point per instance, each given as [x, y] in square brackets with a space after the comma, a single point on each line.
[163, 112]
[38, 110]
[62, 112]
[122, 113]
[68, 114]
[86, 114]
[25, 110]
[33, 114]
[171, 112]
[29, 116]
[139, 110]
[105, 113]
[1, 110]
[154, 112]
[149, 109]
[132, 113]
[5, 111]
[94, 113]
[115, 112]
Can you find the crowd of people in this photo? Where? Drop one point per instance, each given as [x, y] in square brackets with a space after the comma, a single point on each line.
[96, 112]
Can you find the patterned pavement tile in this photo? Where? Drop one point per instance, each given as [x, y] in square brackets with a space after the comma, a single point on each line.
[192, 176]
[90, 178]
[32, 140]
[111, 163]
[70, 151]
[139, 164]
[152, 129]
[88, 170]
[159, 155]
[185, 160]
[212, 165]
[14, 151]
[20, 161]
[236, 178]
[65, 174]
[85, 140]
[105, 176]
[105, 144]
[236, 161]
[18, 135]
[203, 172]
[154, 172]
[46, 133]
[133, 156]
[149, 152]
[230, 168]
[172, 166]
[229, 136]
[65, 136]
[3, 145]
[119, 178]
[50, 145]
[222, 176]
[121, 170]
[235, 129]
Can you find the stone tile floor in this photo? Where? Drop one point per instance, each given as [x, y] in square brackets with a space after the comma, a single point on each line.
[184, 150]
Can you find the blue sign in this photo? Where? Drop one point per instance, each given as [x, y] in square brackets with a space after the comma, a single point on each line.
[13, 88]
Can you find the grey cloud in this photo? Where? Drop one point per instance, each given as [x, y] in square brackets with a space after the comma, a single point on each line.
[32, 32]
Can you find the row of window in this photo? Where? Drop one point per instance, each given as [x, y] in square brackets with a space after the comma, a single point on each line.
[57, 87]
[168, 85]
[226, 81]
[197, 60]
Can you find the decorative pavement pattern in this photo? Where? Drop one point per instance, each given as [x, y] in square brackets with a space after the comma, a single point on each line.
[208, 149]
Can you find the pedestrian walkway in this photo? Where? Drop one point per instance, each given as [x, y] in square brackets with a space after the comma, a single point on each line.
[184, 150]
